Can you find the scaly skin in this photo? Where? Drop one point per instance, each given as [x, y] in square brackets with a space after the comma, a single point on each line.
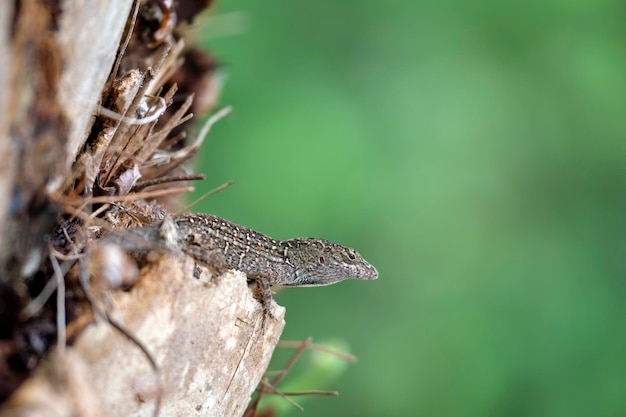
[294, 262]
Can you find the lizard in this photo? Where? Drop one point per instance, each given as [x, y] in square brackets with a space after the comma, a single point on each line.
[300, 262]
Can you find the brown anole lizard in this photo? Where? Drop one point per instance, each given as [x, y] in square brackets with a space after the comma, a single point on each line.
[301, 262]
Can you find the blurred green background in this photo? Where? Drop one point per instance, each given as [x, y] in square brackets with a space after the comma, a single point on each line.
[475, 153]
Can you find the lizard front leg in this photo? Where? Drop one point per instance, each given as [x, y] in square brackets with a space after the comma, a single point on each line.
[263, 293]
[211, 258]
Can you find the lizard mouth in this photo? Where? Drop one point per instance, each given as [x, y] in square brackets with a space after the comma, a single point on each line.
[370, 272]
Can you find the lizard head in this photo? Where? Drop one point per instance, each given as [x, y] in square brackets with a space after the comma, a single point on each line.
[320, 262]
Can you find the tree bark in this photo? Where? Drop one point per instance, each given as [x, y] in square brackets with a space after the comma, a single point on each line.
[208, 336]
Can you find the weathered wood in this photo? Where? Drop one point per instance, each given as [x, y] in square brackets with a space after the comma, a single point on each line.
[90, 36]
[51, 82]
[7, 150]
[207, 338]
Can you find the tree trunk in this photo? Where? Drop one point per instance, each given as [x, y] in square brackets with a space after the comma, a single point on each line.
[207, 335]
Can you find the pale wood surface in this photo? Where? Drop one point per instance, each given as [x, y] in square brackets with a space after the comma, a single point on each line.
[7, 169]
[207, 338]
[90, 36]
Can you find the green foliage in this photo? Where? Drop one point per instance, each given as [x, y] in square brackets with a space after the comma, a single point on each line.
[475, 153]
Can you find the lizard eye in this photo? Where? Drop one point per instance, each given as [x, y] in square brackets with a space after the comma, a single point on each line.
[351, 255]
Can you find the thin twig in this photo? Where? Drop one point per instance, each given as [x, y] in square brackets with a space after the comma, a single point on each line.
[170, 142]
[253, 406]
[319, 348]
[151, 115]
[100, 210]
[311, 392]
[209, 124]
[129, 35]
[204, 197]
[162, 180]
[303, 346]
[135, 196]
[274, 391]
[60, 280]
[38, 302]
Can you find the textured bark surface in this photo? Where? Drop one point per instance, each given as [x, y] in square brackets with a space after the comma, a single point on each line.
[7, 169]
[208, 337]
[90, 34]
